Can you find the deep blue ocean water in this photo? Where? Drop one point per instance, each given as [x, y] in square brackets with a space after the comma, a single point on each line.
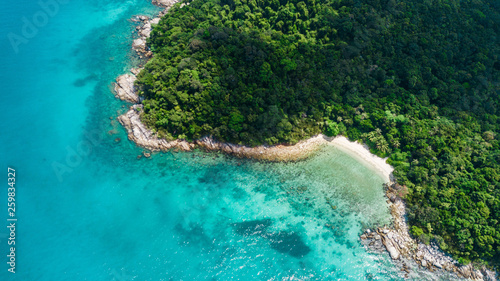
[88, 209]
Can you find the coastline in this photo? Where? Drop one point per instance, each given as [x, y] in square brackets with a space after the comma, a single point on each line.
[144, 137]
[396, 239]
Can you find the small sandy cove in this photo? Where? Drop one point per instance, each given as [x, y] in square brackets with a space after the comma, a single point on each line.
[304, 148]
[363, 154]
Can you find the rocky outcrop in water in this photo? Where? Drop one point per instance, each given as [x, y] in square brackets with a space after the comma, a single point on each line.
[401, 246]
[124, 88]
[143, 31]
[142, 136]
[165, 3]
[146, 26]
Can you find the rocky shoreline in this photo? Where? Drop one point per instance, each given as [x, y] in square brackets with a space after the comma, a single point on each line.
[124, 88]
[401, 246]
[144, 137]
[396, 239]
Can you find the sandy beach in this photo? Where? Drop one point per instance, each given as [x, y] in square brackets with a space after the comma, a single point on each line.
[363, 154]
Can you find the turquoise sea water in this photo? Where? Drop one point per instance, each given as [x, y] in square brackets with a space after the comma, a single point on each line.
[88, 209]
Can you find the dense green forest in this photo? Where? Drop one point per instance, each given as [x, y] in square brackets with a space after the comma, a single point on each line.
[417, 80]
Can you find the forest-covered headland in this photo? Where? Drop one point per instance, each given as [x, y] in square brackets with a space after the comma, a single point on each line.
[417, 81]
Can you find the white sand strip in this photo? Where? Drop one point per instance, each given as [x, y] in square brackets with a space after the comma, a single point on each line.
[363, 154]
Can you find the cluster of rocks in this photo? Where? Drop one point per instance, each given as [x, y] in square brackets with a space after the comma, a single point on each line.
[430, 256]
[136, 71]
[146, 26]
[401, 246]
[143, 31]
[259, 152]
[146, 138]
[124, 87]
[374, 240]
[165, 3]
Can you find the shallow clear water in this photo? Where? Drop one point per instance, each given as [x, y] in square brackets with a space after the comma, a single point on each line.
[88, 209]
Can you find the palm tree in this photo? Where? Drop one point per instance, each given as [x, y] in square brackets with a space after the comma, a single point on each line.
[395, 143]
[383, 146]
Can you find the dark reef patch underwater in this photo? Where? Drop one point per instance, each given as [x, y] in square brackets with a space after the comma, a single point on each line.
[282, 241]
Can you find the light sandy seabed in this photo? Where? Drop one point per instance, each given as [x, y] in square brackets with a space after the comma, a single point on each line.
[362, 153]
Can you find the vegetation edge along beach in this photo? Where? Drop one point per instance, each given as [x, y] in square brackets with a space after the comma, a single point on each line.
[439, 133]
